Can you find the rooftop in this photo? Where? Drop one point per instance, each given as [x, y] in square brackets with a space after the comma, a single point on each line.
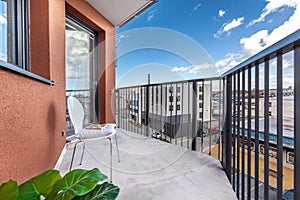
[151, 169]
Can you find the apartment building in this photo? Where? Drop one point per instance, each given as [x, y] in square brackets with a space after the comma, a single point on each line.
[169, 106]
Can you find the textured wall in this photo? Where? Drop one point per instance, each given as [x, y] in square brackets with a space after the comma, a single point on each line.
[32, 113]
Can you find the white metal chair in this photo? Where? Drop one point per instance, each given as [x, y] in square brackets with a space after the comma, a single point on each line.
[76, 114]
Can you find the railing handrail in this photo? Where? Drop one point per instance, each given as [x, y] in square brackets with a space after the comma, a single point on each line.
[172, 82]
[282, 46]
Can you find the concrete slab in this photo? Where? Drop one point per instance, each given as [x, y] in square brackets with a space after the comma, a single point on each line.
[151, 169]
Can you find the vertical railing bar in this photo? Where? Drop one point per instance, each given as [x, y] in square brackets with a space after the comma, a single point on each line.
[243, 133]
[279, 127]
[210, 110]
[296, 122]
[189, 117]
[249, 136]
[181, 107]
[135, 99]
[126, 107]
[202, 118]
[238, 133]
[171, 114]
[228, 127]
[175, 107]
[224, 113]
[219, 131]
[166, 111]
[118, 109]
[256, 181]
[161, 106]
[234, 134]
[144, 108]
[131, 99]
[140, 111]
[152, 105]
[156, 108]
[266, 131]
[147, 101]
[194, 119]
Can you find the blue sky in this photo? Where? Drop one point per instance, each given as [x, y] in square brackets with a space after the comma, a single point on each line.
[165, 39]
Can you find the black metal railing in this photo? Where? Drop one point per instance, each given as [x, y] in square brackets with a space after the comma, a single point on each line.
[260, 146]
[247, 118]
[185, 113]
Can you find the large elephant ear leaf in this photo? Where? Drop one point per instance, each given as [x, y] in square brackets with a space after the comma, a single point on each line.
[76, 183]
[9, 190]
[39, 185]
[105, 191]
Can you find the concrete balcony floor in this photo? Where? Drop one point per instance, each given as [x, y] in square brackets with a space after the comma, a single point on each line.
[151, 169]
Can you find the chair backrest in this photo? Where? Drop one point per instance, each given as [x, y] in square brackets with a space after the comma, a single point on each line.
[76, 113]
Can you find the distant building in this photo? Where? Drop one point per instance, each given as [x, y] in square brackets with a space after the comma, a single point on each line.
[170, 107]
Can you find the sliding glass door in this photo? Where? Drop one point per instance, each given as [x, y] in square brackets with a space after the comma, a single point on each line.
[81, 68]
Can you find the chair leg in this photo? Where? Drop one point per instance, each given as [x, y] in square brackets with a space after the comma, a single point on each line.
[74, 154]
[117, 147]
[110, 145]
[82, 153]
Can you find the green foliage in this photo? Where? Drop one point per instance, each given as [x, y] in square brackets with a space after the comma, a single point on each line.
[9, 190]
[39, 185]
[105, 191]
[77, 184]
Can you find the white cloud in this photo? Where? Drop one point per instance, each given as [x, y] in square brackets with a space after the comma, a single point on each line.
[233, 24]
[273, 6]
[198, 69]
[180, 69]
[197, 6]
[221, 13]
[254, 43]
[193, 69]
[230, 61]
[3, 19]
[264, 38]
[227, 27]
[151, 15]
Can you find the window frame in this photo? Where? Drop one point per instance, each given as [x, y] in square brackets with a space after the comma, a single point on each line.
[18, 31]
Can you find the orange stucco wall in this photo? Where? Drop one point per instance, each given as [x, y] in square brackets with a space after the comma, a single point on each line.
[32, 113]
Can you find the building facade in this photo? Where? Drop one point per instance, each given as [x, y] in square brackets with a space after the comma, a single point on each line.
[35, 68]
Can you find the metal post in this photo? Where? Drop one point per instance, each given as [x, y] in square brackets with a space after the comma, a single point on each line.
[249, 136]
[194, 119]
[266, 131]
[119, 110]
[279, 127]
[296, 122]
[147, 110]
[228, 127]
[256, 165]
[243, 134]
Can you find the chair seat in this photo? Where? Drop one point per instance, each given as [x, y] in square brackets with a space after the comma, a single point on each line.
[94, 134]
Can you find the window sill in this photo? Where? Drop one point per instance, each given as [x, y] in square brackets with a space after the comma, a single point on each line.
[23, 72]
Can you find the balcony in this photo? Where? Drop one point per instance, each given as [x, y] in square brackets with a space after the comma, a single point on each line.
[177, 137]
[152, 169]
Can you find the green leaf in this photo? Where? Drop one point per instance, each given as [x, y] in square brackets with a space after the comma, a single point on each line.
[39, 185]
[9, 190]
[105, 191]
[76, 183]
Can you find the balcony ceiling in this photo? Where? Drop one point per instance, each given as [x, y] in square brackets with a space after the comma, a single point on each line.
[119, 12]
